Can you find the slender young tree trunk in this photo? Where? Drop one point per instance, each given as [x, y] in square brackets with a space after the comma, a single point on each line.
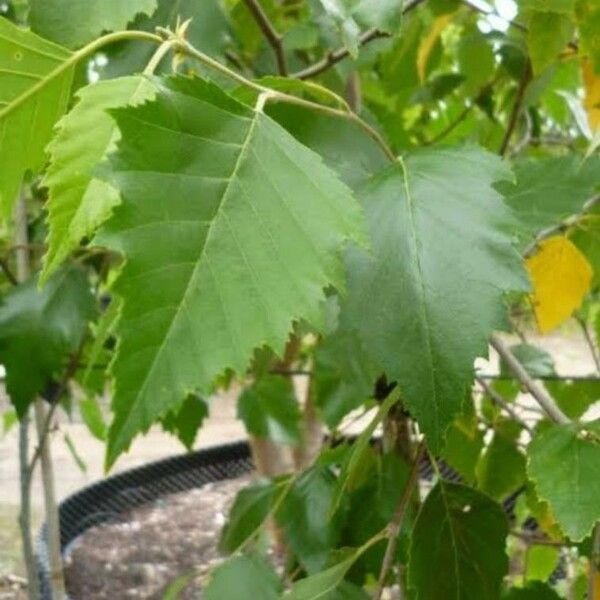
[52, 520]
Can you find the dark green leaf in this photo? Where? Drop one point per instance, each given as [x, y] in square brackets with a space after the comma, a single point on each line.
[408, 298]
[38, 330]
[457, 546]
[269, 409]
[548, 35]
[532, 591]
[241, 194]
[250, 508]
[187, 420]
[464, 442]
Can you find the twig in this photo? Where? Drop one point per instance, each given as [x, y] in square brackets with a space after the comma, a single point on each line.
[516, 111]
[335, 56]
[537, 540]
[590, 342]
[395, 524]
[274, 38]
[9, 274]
[23, 273]
[502, 403]
[594, 573]
[537, 391]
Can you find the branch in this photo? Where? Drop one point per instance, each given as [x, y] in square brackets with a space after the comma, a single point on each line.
[537, 391]
[274, 38]
[336, 56]
[590, 342]
[517, 107]
[594, 573]
[396, 523]
[502, 403]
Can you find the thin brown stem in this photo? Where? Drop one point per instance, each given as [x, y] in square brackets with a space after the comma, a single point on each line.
[590, 342]
[537, 540]
[395, 524]
[274, 38]
[503, 404]
[594, 573]
[516, 110]
[537, 391]
[336, 56]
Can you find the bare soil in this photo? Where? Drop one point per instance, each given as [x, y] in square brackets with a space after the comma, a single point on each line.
[152, 547]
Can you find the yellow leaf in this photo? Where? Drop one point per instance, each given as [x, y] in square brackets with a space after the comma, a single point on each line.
[591, 102]
[561, 277]
[428, 43]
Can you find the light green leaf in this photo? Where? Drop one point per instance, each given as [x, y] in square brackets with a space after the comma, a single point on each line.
[320, 585]
[564, 464]
[74, 23]
[548, 34]
[464, 442]
[93, 418]
[501, 469]
[39, 328]
[476, 60]
[215, 196]
[243, 577]
[269, 409]
[185, 421]
[421, 314]
[385, 15]
[9, 420]
[35, 84]
[78, 202]
[549, 190]
[556, 6]
[459, 536]
[541, 562]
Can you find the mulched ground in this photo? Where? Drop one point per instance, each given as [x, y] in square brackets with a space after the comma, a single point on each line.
[154, 545]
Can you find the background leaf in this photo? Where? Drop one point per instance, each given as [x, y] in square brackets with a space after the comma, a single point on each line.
[74, 23]
[459, 535]
[565, 467]
[34, 92]
[38, 330]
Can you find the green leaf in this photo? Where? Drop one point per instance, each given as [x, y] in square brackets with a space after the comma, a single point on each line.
[459, 536]
[93, 418]
[39, 328]
[78, 202]
[35, 84]
[342, 20]
[9, 420]
[70, 444]
[464, 442]
[419, 224]
[588, 19]
[564, 464]
[74, 23]
[214, 196]
[243, 577]
[251, 507]
[320, 585]
[269, 409]
[574, 397]
[385, 15]
[343, 377]
[541, 562]
[209, 31]
[549, 190]
[532, 591]
[185, 421]
[536, 361]
[476, 60]
[305, 517]
[501, 469]
[556, 6]
[547, 36]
